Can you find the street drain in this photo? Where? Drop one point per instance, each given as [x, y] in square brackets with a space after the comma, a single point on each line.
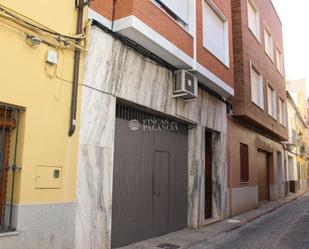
[168, 246]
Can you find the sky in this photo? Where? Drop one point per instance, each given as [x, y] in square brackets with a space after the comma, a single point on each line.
[294, 16]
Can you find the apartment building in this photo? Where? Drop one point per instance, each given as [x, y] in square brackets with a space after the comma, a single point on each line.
[153, 134]
[296, 148]
[259, 121]
[37, 156]
[298, 91]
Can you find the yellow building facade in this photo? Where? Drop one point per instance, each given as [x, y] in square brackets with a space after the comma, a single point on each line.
[297, 148]
[39, 48]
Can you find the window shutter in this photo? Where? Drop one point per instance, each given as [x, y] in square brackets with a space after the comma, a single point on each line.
[252, 18]
[214, 33]
[255, 86]
[179, 7]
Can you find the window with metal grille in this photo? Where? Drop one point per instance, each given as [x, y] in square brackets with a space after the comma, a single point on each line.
[9, 140]
[244, 163]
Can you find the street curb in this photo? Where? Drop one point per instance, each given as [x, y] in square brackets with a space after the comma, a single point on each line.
[246, 221]
[265, 213]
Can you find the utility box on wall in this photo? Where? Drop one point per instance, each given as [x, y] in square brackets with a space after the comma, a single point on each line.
[48, 177]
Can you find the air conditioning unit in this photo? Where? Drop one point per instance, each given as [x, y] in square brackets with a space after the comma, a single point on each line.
[185, 85]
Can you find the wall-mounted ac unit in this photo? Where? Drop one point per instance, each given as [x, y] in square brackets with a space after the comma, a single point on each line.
[185, 85]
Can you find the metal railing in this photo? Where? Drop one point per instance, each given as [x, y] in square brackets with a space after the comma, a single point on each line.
[9, 139]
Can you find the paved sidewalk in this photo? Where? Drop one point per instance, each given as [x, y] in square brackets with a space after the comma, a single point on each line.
[187, 238]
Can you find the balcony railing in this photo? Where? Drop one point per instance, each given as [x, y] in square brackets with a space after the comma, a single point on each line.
[9, 140]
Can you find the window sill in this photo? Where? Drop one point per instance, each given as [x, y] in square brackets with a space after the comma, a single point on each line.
[280, 73]
[227, 65]
[274, 118]
[185, 28]
[255, 36]
[260, 107]
[269, 57]
[245, 183]
[9, 234]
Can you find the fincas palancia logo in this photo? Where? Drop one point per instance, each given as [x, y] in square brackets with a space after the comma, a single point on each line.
[153, 125]
[134, 124]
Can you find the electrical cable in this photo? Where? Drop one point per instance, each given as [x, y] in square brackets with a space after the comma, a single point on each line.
[35, 29]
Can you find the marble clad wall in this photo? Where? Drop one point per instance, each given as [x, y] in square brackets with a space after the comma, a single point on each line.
[113, 71]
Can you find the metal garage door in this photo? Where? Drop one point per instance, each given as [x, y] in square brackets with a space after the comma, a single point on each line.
[150, 176]
[263, 176]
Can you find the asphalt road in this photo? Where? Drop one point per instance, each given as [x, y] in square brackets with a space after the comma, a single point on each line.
[285, 228]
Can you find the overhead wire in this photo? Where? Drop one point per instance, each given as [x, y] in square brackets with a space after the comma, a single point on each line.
[47, 35]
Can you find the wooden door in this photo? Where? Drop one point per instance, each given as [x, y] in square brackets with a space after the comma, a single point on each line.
[263, 176]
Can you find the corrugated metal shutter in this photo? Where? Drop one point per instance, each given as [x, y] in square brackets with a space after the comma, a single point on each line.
[150, 178]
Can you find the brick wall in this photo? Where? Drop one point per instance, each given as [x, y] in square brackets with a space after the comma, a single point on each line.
[165, 25]
[151, 15]
[246, 49]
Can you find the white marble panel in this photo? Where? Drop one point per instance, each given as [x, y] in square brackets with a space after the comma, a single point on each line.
[112, 71]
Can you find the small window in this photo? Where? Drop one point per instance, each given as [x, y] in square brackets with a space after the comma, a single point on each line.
[253, 19]
[282, 112]
[271, 101]
[279, 61]
[244, 163]
[257, 87]
[268, 38]
[215, 32]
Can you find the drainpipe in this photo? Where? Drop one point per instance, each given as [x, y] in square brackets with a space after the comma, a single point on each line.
[113, 15]
[80, 6]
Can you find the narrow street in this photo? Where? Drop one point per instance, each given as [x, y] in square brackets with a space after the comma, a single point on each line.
[286, 228]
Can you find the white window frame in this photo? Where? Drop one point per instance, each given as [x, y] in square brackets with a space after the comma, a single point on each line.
[260, 103]
[279, 64]
[212, 5]
[282, 112]
[272, 107]
[258, 23]
[271, 43]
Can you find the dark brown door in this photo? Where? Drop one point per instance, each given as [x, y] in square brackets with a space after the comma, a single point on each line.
[263, 176]
[160, 193]
[208, 175]
[150, 182]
